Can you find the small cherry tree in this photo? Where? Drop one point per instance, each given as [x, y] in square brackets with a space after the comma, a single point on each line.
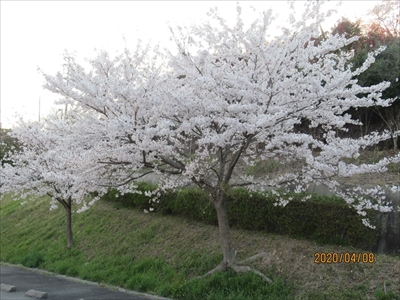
[228, 90]
[118, 97]
[51, 162]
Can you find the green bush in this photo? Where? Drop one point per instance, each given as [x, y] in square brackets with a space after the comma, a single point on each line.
[321, 218]
[253, 211]
[194, 204]
[328, 220]
[132, 200]
[324, 219]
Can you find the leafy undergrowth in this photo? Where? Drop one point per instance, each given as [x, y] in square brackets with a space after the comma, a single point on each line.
[163, 255]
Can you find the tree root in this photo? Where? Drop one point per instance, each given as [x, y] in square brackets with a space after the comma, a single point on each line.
[245, 269]
[216, 269]
[254, 257]
[240, 269]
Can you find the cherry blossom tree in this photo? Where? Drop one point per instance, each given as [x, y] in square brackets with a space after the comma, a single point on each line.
[118, 98]
[52, 163]
[386, 16]
[204, 112]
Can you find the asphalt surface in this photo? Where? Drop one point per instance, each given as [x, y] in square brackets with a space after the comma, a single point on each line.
[58, 287]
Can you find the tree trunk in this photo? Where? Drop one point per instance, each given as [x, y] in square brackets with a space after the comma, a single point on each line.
[223, 225]
[395, 143]
[68, 210]
[229, 259]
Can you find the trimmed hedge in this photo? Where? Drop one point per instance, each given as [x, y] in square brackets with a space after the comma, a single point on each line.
[323, 219]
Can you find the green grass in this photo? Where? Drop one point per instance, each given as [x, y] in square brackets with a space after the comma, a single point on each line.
[394, 168]
[231, 286]
[164, 255]
[122, 247]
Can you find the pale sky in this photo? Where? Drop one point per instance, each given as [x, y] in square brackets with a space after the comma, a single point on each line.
[36, 33]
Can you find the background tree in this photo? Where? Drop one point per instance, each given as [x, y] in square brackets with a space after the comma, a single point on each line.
[227, 90]
[8, 145]
[116, 96]
[387, 16]
[385, 30]
[387, 68]
[350, 29]
[51, 163]
[380, 30]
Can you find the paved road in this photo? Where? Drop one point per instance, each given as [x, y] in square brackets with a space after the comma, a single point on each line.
[58, 287]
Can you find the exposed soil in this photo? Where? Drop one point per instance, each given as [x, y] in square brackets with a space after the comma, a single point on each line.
[295, 260]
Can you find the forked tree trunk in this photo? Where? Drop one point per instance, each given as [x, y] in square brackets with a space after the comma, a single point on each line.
[229, 255]
[68, 214]
[229, 258]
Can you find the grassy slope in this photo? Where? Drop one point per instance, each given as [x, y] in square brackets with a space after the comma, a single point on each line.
[162, 254]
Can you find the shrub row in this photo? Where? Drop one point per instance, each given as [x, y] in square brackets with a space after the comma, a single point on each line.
[323, 219]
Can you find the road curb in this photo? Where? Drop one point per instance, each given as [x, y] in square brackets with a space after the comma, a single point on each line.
[8, 288]
[36, 294]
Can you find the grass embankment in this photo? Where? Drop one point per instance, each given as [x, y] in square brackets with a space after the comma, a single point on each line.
[163, 255]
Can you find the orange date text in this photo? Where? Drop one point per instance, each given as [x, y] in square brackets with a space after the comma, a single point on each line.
[347, 257]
